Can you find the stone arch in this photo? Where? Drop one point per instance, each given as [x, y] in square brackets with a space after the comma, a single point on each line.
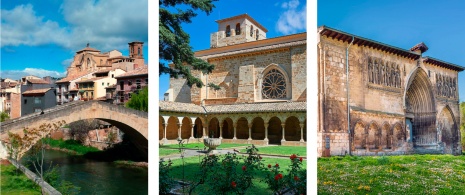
[198, 128]
[242, 128]
[186, 127]
[421, 108]
[275, 132]
[172, 128]
[228, 132]
[373, 131]
[359, 135]
[258, 128]
[214, 128]
[292, 129]
[398, 135]
[385, 139]
[274, 79]
[448, 129]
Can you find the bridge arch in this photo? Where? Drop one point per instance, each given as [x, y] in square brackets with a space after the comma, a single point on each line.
[133, 123]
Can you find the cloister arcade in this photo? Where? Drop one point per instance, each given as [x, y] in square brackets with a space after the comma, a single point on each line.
[287, 128]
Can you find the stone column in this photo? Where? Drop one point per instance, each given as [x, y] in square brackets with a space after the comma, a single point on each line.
[192, 131]
[221, 130]
[164, 130]
[234, 129]
[302, 132]
[283, 125]
[179, 131]
[250, 132]
[203, 131]
[266, 132]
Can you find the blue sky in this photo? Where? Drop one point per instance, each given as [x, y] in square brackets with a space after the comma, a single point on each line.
[279, 17]
[439, 24]
[41, 37]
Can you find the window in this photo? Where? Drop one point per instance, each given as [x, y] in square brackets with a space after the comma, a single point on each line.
[88, 61]
[108, 84]
[138, 51]
[129, 82]
[25, 101]
[228, 31]
[274, 85]
[251, 31]
[147, 81]
[138, 82]
[121, 85]
[101, 61]
[103, 83]
[256, 35]
[238, 29]
[37, 100]
[112, 75]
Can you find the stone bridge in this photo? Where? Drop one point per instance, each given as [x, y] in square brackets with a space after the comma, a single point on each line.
[133, 123]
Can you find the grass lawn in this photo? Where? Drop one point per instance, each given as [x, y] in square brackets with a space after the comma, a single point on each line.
[410, 174]
[282, 150]
[201, 146]
[70, 145]
[192, 168]
[16, 184]
[166, 152]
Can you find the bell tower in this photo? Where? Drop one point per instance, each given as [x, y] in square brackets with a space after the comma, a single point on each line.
[136, 52]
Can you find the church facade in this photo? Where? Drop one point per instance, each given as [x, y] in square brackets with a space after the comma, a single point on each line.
[377, 99]
[262, 95]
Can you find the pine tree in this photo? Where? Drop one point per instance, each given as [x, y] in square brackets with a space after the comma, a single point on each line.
[174, 41]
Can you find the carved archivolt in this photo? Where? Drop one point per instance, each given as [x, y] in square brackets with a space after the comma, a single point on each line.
[382, 72]
[446, 86]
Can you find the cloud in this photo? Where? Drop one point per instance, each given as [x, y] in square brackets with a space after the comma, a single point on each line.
[106, 25]
[292, 19]
[17, 74]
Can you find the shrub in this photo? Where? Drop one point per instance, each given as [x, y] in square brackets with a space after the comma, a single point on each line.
[166, 183]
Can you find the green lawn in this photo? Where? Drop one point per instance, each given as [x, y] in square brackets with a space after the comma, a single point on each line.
[201, 146]
[410, 174]
[192, 169]
[166, 152]
[12, 183]
[282, 150]
[70, 145]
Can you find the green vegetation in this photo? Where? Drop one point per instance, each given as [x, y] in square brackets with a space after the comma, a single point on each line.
[4, 116]
[411, 174]
[15, 182]
[193, 164]
[72, 145]
[139, 100]
[174, 41]
[166, 152]
[282, 150]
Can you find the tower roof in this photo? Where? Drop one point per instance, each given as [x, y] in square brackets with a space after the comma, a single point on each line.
[246, 16]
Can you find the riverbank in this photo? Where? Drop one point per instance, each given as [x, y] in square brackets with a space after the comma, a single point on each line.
[15, 182]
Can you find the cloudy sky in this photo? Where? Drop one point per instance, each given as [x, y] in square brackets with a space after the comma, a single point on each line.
[278, 17]
[439, 24]
[41, 37]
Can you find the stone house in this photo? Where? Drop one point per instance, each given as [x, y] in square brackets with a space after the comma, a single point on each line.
[37, 95]
[129, 83]
[10, 98]
[262, 95]
[378, 99]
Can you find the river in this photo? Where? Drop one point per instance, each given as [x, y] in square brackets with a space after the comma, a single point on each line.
[96, 177]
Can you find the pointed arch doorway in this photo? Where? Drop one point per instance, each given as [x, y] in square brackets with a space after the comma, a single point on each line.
[421, 111]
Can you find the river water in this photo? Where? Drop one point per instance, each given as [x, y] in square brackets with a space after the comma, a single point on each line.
[96, 177]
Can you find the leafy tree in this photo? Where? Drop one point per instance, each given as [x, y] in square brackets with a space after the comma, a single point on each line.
[4, 116]
[174, 42]
[140, 100]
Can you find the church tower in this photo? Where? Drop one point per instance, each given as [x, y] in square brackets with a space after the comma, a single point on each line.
[236, 30]
[136, 53]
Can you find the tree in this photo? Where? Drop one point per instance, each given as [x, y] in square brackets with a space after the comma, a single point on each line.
[174, 42]
[79, 130]
[139, 100]
[4, 116]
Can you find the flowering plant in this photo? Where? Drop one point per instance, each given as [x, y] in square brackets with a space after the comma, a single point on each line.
[294, 182]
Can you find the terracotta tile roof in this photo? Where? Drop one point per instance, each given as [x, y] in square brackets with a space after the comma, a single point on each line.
[233, 108]
[37, 91]
[141, 71]
[90, 80]
[180, 107]
[69, 78]
[88, 49]
[37, 81]
[258, 107]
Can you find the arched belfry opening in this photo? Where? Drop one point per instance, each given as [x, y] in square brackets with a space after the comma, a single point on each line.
[421, 110]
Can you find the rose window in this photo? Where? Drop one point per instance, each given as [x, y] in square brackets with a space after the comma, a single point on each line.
[274, 85]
